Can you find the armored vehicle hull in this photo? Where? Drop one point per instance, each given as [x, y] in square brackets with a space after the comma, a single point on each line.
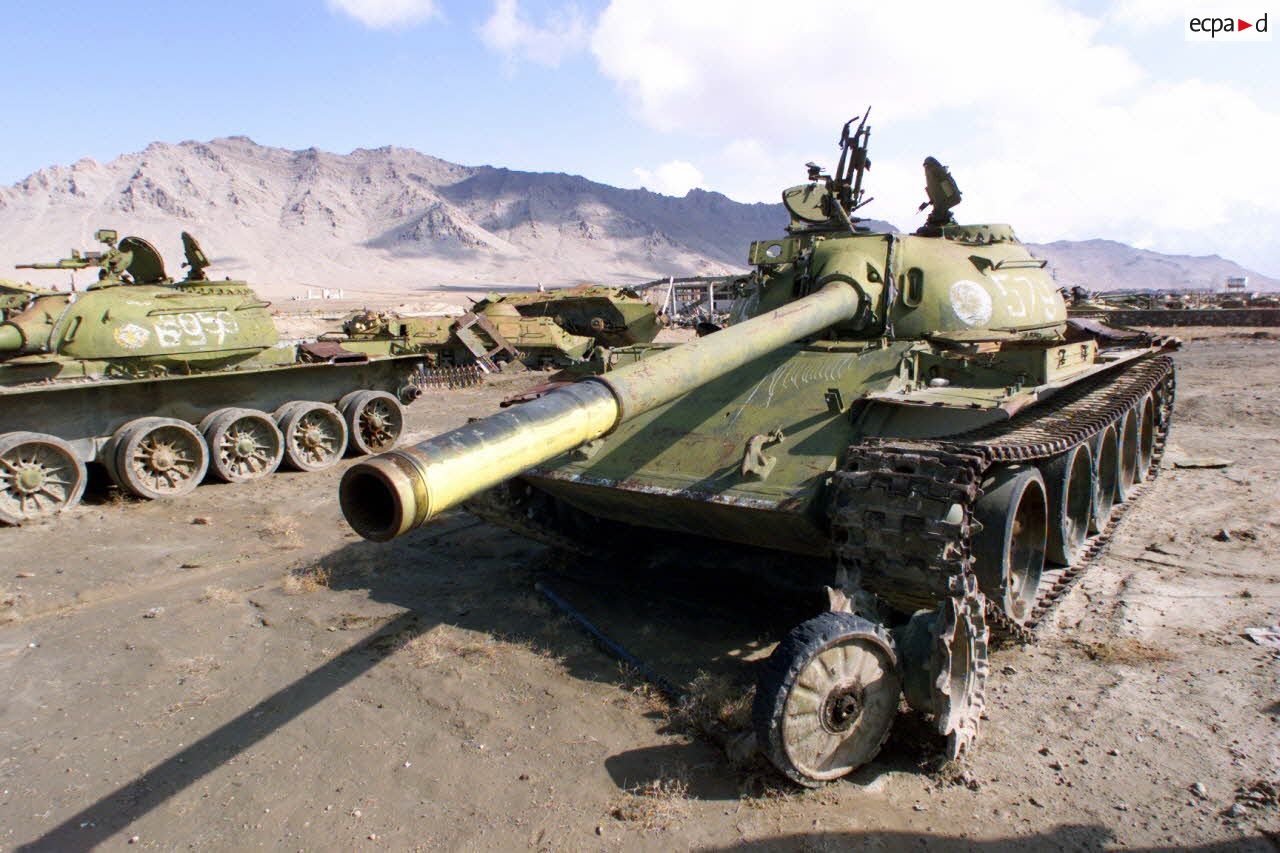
[164, 383]
[915, 412]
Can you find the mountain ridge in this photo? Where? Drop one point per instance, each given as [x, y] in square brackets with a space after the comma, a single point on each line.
[392, 219]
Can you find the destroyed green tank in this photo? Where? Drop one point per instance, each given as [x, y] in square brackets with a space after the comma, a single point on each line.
[163, 382]
[541, 330]
[612, 316]
[912, 413]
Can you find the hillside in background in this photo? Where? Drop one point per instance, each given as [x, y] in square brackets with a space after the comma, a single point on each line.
[393, 219]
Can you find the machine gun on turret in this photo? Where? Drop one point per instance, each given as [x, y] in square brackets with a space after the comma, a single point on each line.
[113, 261]
[133, 261]
[843, 190]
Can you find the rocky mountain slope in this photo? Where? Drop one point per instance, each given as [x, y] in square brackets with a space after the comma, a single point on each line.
[1108, 265]
[394, 220]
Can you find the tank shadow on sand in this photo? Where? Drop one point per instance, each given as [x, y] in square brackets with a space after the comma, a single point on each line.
[471, 575]
[1066, 837]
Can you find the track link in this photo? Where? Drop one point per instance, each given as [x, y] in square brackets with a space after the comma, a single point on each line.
[450, 377]
[902, 511]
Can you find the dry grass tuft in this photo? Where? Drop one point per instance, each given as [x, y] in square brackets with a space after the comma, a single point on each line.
[715, 702]
[283, 530]
[648, 697]
[219, 595]
[201, 665]
[1126, 651]
[657, 804]
[444, 642]
[303, 581]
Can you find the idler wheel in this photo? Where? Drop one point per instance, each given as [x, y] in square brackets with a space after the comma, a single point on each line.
[244, 444]
[1106, 476]
[40, 475]
[315, 435]
[375, 420]
[1127, 435]
[826, 698]
[1146, 436]
[158, 457]
[945, 663]
[1070, 483]
[1009, 550]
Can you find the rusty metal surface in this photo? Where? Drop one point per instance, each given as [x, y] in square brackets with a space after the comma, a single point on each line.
[330, 351]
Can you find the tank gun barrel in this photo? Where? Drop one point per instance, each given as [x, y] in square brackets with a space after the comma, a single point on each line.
[391, 494]
[64, 264]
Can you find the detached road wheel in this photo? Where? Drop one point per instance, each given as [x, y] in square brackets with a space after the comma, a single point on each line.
[827, 697]
[159, 458]
[374, 420]
[244, 444]
[315, 435]
[40, 475]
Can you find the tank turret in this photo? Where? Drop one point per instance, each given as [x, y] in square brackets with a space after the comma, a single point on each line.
[138, 318]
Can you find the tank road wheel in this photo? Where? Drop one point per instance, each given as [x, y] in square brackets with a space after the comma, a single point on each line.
[159, 457]
[374, 419]
[1009, 550]
[1127, 435]
[1106, 477]
[1146, 436]
[39, 475]
[945, 664]
[826, 697]
[315, 435]
[1070, 483]
[244, 444]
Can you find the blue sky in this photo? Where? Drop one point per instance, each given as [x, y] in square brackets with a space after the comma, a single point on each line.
[1070, 119]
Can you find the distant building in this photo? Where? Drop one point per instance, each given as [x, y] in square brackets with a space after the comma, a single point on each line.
[1237, 283]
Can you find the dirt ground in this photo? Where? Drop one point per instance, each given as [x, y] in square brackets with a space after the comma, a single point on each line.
[236, 670]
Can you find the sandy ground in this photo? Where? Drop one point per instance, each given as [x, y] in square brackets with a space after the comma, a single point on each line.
[235, 670]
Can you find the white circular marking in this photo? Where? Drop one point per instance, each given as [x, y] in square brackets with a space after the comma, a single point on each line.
[971, 302]
[131, 336]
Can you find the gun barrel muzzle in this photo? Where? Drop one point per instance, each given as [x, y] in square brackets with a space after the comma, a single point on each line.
[397, 491]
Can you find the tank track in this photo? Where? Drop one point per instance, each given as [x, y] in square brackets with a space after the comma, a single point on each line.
[902, 511]
[460, 376]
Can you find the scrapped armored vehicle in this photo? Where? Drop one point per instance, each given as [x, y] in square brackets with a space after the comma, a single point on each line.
[163, 381]
[1176, 308]
[542, 330]
[914, 414]
[611, 316]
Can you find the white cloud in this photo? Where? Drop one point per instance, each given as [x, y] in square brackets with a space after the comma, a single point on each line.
[674, 178]
[1144, 16]
[1042, 123]
[382, 14]
[563, 32]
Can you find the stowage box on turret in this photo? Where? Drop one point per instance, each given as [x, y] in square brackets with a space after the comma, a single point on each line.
[913, 411]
